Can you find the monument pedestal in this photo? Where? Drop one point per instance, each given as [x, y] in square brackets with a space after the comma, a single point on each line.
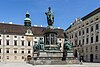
[51, 54]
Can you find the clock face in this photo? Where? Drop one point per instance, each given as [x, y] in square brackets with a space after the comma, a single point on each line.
[28, 32]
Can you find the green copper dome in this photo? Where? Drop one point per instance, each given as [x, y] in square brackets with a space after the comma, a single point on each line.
[27, 20]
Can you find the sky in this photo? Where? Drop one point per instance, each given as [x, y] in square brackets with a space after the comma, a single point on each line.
[65, 11]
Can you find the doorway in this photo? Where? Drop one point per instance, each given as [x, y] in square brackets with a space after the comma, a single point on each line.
[91, 57]
[75, 53]
[29, 58]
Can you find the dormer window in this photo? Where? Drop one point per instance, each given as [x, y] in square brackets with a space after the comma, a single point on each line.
[7, 35]
[15, 36]
[29, 32]
[22, 36]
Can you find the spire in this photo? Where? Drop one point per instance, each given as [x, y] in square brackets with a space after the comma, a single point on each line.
[27, 20]
[27, 15]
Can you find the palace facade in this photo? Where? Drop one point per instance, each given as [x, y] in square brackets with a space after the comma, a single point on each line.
[84, 34]
[17, 41]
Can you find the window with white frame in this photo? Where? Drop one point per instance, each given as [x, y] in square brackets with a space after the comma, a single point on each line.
[22, 43]
[7, 42]
[0, 41]
[15, 42]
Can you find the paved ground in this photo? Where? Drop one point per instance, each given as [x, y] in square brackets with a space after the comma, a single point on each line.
[2, 64]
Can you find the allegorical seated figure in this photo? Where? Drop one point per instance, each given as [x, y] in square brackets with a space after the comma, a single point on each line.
[50, 17]
[36, 47]
[67, 45]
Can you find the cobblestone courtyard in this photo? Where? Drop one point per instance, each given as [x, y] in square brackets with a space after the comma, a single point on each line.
[2, 64]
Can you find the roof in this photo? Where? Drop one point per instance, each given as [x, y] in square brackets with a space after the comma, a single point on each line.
[14, 29]
[91, 14]
[87, 16]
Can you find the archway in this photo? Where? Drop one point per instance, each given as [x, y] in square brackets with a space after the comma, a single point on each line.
[29, 58]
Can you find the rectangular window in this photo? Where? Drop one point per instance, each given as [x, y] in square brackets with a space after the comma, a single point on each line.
[7, 57]
[0, 50]
[22, 43]
[15, 42]
[91, 28]
[75, 34]
[29, 51]
[83, 32]
[7, 42]
[0, 42]
[28, 43]
[22, 51]
[79, 33]
[79, 42]
[15, 51]
[72, 35]
[86, 49]
[87, 39]
[91, 39]
[7, 50]
[83, 41]
[96, 48]
[87, 30]
[97, 26]
[97, 38]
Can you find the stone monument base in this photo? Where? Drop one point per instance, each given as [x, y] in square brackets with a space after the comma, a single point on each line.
[48, 55]
[54, 62]
[53, 58]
